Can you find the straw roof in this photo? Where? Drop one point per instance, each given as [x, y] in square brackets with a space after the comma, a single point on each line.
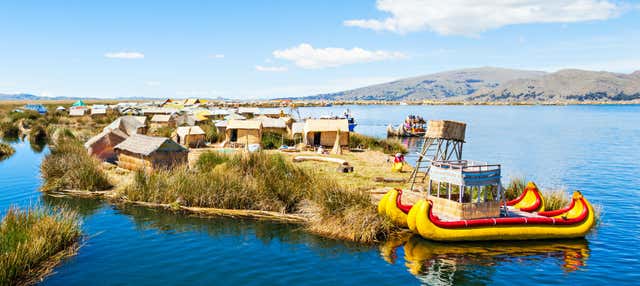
[104, 133]
[76, 112]
[146, 145]
[234, 116]
[244, 124]
[324, 125]
[268, 122]
[128, 124]
[221, 123]
[297, 127]
[95, 111]
[252, 110]
[161, 118]
[189, 130]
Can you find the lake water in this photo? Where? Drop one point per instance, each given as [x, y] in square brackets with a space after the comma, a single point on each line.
[590, 148]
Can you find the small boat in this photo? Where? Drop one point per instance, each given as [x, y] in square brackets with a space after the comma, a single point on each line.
[413, 126]
[391, 204]
[574, 221]
[473, 208]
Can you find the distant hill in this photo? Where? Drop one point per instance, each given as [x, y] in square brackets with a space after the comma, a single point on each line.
[436, 86]
[566, 85]
[490, 84]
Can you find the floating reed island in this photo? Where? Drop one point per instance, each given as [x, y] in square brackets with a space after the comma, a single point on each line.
[35, 240]
[213, 158]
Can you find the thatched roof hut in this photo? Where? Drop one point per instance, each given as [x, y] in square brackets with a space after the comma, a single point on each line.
[141, 152]
[102, 145]
[129, 124]
[273, 125]
[244, 131]
[160, 120]
[190, 136]
[324, 132]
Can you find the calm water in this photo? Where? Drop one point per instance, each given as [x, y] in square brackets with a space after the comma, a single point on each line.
[591, 148]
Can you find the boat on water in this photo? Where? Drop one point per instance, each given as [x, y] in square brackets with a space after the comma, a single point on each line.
[480, 212]
[413, 126]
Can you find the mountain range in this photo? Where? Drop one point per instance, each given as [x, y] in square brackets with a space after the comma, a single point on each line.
[491, 84]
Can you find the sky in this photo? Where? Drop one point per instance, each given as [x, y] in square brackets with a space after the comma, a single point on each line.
[265, 49]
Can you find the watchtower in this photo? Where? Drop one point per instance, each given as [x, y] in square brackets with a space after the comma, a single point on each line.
[443, 142]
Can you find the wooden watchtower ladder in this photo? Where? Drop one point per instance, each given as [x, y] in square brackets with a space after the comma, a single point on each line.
[443, 142]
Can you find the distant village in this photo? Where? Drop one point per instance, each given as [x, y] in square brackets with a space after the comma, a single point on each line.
[132, 141]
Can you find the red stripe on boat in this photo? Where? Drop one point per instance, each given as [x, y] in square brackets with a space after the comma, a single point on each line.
[558, 212]
[508, 220]
[404, 208]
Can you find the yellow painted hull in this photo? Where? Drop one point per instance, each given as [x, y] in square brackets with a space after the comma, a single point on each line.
[419, 221]
[387, 207]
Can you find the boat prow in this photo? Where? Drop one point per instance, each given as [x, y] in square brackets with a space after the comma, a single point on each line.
[530, 200]
[571, 222]
[391, 206]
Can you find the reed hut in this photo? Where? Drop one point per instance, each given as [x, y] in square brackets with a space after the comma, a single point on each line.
[141, 152]
[243, 132]
[77, 112]
[163, 120]
[190, 136]
[249, 112]
[274, 125]
[129, 124]
[102, 145]
[323, 132]
[297, 131]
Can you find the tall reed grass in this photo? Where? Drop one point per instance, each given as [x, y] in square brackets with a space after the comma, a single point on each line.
[6, 151]
[261, 181]
[69, 166]
[387, 146]
[30, 239]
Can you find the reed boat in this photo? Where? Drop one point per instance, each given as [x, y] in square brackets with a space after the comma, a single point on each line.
[573, 221]
[391, 204]
[413, 126]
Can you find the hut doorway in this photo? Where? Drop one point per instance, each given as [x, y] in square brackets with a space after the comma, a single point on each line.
[234, 135]
[316, 138]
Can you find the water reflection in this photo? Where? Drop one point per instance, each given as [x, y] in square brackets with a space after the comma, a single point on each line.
[436, 263]
[83, 206]
[167, 221]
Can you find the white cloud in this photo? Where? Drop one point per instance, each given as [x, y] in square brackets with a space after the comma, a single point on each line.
[216, 56]
[470, 17]
[152, 83]
[271, 68]
[124, 55]
[308, 57]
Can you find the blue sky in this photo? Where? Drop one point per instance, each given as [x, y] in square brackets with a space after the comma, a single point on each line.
[263, 49]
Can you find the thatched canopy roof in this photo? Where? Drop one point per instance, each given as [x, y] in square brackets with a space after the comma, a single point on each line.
[249, 110]
[268, 122]
[189, 130]
[297, 127]
[146, 145]
[324, 125]
[116, 133]
[128, 124]
[161, 118]
[244, 124]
